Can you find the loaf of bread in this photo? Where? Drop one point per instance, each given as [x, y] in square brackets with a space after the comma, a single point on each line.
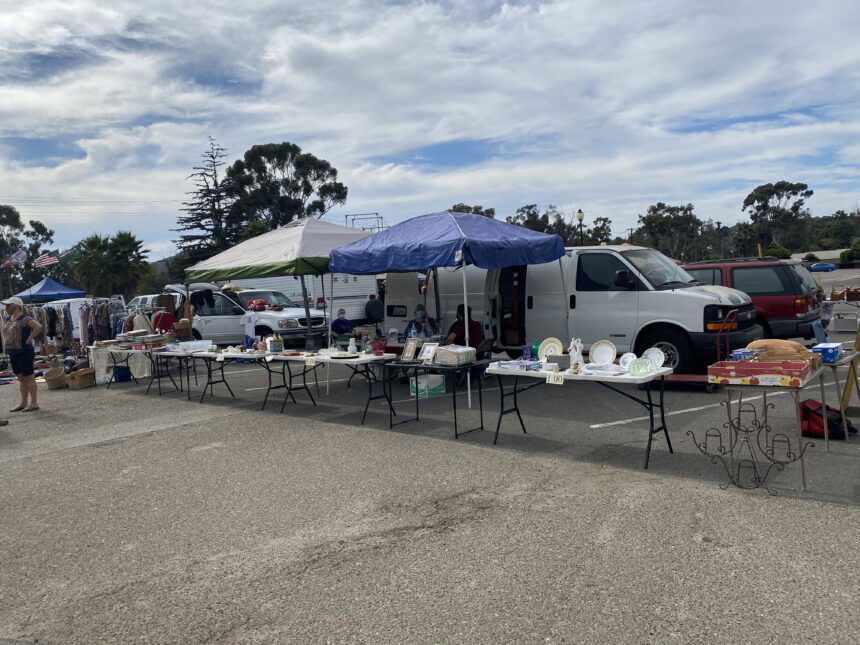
[777, 346]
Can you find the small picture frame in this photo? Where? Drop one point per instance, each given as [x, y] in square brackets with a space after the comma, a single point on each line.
[409, 349]
[428, 352]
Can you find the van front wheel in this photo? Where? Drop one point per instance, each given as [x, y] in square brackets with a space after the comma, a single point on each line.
[674, 344]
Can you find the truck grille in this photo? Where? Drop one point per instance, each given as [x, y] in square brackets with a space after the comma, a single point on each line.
[315, 322]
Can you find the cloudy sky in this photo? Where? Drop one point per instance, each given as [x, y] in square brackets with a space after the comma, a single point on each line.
[604, 106]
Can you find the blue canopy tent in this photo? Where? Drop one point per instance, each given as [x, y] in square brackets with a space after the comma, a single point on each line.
[446, 239]
[49, 289]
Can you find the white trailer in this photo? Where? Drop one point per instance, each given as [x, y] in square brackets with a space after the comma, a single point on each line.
[350, 291]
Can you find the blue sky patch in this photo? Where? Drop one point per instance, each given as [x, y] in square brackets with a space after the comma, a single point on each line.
[48, 153]
[447, 154]
[714, 125]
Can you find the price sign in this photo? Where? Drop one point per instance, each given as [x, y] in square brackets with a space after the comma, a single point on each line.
[310, 361]
[219, 358]
[555, 378]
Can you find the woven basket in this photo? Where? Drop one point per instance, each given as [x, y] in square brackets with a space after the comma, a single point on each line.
[55, 378]
[82, 379]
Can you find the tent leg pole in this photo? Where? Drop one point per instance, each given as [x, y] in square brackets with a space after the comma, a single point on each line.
[436, 298]
[308, 340]
[466, 327]
[331, 295]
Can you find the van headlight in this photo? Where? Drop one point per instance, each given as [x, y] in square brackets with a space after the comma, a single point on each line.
[288, 323]
[714, 317]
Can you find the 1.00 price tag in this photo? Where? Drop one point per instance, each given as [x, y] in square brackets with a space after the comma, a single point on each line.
[555, 378]
[310, 361]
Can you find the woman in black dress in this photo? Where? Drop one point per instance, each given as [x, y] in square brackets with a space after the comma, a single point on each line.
[19, 332]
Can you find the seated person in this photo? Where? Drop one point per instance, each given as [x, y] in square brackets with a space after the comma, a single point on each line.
[457, 333]
[341, 325]
[421, 323]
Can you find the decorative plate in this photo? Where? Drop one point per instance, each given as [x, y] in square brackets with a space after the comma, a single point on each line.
[602, 352]
[656, 356]
[625, 359]
[550, 347]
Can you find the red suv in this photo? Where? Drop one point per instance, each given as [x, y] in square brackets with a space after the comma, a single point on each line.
[786, 297]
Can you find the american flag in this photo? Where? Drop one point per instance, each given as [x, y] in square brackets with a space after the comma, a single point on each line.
[47, 259]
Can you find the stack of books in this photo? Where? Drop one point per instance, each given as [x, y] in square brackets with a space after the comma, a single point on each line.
[455, 355]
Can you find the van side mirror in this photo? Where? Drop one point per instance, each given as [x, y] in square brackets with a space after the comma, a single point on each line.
[623, 279]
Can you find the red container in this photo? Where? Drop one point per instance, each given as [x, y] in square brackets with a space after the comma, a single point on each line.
[776, 373]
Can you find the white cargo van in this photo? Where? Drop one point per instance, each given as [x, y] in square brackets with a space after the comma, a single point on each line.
[634, 296]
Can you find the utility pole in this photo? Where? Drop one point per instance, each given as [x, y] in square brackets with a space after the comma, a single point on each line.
[630, 235]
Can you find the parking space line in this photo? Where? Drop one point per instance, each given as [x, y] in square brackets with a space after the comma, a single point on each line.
[685, 410]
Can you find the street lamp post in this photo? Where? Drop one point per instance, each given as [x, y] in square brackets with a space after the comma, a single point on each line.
[720, 238]
[580, 216]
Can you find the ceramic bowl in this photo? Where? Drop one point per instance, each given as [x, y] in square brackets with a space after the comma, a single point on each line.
[640, 367]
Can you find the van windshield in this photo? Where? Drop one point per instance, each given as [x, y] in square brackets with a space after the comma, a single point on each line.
[269, 297]
[659, 270]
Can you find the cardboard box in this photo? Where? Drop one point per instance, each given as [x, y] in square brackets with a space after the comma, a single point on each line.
[769, 373]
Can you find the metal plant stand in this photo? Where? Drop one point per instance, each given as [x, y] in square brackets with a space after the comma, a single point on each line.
[746, 444]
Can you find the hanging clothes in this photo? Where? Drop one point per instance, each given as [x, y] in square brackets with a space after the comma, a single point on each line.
[163, 321]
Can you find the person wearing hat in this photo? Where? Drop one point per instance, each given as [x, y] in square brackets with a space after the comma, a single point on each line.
[19, 331]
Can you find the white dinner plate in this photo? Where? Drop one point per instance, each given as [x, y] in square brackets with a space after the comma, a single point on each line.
[550, 347]
[602, 352]
[656, 356]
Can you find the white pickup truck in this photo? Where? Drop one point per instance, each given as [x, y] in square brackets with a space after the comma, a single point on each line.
[634, 296]
[222, 321]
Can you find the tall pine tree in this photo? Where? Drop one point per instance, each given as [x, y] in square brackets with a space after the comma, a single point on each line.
[206, 226]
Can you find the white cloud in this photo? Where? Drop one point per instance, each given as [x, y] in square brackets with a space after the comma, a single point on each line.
[604, 106]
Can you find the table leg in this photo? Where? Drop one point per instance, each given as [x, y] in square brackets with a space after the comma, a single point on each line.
[796, 396]
[824, 413]
[112, 370]
[153, 375]
[288, 374]
[369, 393]
[513, 394]
[841, 398]
[481, 398]
[416, 394]
[208, 382]
[454, 403]
[305, 383]
[268, 369]
[663, 414]
[650, 408]
[386, 378]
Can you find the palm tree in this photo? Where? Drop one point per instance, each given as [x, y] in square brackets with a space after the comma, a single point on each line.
[110, 265]
[127, 260]
[91, 269]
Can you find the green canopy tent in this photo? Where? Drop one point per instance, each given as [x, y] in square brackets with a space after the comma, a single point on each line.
[300, 248]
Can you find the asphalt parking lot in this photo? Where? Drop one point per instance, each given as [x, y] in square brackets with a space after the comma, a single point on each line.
[134, 518]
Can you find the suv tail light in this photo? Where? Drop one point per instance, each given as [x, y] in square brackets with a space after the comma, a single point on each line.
[320, 302]
[802, 304]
